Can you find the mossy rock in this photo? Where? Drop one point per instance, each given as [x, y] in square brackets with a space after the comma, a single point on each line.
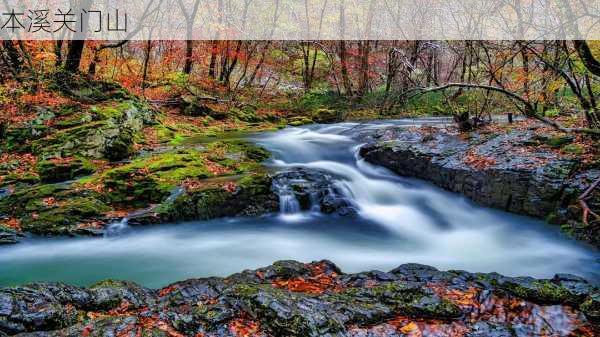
[87, 140]
[150, 179]
[8, 235]
[20, 178]
[86, 90]
[18, 139]
[74, 121]
[538, 291]
[64, 218]
[120, 146]
[591, 307]
[191, 106]
[246, 114]
[576, 149]
[57, 170]
[109, 135]
[25, 200]
[299, 121]
[252, 196]
[324, 115]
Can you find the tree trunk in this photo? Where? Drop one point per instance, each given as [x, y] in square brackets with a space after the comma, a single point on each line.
[58, 52]
[146, 63]
[13, 57]
[213, 59]
[583, 49]
[189, 53]
[344, 64]
[74, 56]
[364, 68]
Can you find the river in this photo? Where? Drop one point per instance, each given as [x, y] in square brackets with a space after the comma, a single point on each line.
[397, 220]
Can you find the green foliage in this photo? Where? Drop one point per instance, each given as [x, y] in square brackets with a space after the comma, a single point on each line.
[553, 112]
[576, 149]
[178, 79]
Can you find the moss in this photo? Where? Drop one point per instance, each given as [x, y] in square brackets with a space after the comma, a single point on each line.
[246, 114]
[109, 283]
[65, 217]
[558, 141]
[108, 111]
[27, 177]
[539, 291]
[28, 199]
[325, 115]
[150, 179]
[61, 170]
[83, 89]
[74, 121]
[576, 149]
[591, 307]
[87, 139]
[299, 121]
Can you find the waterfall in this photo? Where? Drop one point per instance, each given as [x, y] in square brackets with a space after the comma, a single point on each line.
[117, 228]
[288, 203]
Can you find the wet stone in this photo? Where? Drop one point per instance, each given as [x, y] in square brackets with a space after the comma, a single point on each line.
[272, 301]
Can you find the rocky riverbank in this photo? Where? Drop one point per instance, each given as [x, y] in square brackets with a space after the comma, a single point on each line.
[527, 170]
[291, 298]
[95, 153]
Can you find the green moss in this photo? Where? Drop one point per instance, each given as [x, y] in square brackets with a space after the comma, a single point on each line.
[540, 291]
[65, 217]
[87, 139]
[61, 170]
[299, 121]
[107, 111]
[558, 141]
[74, 121]
[150, 179]
[28, 199]
[27, 177]
[591, 307]
[246, 114]
[576, 149]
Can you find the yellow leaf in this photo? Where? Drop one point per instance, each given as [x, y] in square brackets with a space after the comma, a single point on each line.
[410, 327]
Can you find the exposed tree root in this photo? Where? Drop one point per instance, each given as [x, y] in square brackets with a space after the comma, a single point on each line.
[587, 211]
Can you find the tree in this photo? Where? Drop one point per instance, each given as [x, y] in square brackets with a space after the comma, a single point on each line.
[190, 17]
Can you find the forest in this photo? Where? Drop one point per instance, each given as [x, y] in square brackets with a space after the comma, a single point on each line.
[467, 170]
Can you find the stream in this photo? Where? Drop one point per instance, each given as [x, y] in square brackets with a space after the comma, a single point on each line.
[397, 220]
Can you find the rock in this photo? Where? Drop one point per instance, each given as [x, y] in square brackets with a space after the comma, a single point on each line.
[87, 90]
[191, 106]
[591, 307]
[54, 209]
[314, 190]
[291, 298]
[59, 169]
[494, 171]
[120, 146]
[64, 219]
[109, 136]
[8, 235]
[325, 115]
[252, 197]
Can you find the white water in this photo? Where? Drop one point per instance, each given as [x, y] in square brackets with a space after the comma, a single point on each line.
[117, 228]
[399, 221]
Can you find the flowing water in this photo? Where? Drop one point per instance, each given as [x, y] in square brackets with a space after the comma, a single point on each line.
[397, 220]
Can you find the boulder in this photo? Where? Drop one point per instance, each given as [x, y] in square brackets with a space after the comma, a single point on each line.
[500, 171]
[61, 169]
[314, 190]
